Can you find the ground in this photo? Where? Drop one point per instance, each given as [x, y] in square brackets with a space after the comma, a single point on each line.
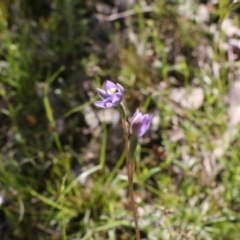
[63, 171]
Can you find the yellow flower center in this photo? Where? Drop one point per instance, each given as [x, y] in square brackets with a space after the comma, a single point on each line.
[112, 90]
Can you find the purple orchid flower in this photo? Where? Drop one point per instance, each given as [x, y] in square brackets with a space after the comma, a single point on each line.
[111, 96]
[140, 123]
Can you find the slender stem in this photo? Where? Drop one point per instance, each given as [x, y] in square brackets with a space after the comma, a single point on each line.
[125, 130]
[130, 172]
[133, 205]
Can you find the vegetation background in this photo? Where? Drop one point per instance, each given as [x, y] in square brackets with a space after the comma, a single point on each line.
[62, 166]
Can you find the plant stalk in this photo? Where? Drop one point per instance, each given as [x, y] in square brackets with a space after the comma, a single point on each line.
[130, 172]
[132, 200]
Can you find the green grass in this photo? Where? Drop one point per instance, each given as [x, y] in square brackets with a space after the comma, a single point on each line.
[72, 184]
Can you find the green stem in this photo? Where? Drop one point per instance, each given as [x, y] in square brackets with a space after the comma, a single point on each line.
[132, 200]
[130, 172]
[103, 149]
[122, 110]
[133, 147]
[48, 107]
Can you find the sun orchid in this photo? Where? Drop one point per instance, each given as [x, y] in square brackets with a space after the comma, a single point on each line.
[140, 123]
[111, 96]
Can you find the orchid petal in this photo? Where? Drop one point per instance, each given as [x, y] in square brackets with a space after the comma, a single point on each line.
[100, 104]
[146, 121]
[103, 94]
[140, 123]
[111, 96]
[120, 88]
[135, 114]
[136, 124]
[109, 85]
[117, 98]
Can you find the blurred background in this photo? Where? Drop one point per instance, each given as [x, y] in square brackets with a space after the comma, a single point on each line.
[62, 165]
